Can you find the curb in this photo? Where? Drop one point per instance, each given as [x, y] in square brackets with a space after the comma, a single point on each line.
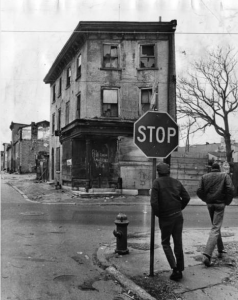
[20, 192]
[37, 202]
[122, 279]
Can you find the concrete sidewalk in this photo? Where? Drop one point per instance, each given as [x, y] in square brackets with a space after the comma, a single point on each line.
[218, 282]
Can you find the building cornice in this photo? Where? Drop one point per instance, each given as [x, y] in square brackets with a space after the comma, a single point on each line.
[96, 127]
[85, 28]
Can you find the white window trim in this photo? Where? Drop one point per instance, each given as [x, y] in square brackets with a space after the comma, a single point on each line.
[78, 75]
[118, 100]
[118, 55]
[156, 55]
[140, 94]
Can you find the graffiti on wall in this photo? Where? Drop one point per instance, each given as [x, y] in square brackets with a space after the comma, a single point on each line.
[99, 158]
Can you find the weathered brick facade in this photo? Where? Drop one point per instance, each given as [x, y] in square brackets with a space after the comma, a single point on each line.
[27, 142]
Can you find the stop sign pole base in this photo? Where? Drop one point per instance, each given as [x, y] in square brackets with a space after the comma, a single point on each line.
[152, 231]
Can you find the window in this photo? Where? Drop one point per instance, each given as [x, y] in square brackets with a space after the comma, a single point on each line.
[60, 87]
[78, 108]
[79, 62]
[110, 56]
[146, 95]
[110, 103]
[57, 159]
[67, 113]
[54, 94]
[53, 123]
[68, 77]
[147, 56]
[59, 119]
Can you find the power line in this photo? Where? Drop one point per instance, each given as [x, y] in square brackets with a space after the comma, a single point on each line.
[116, 32]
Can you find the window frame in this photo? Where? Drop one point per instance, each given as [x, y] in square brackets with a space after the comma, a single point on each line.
[78, 106]
[59, 119]
[103, 67]
[68, 76]
[141, 112]
[118, 101]
[154, 56]
[78, 68]
[57, 159]
[67, 112]
[60, 87]
[53, 93]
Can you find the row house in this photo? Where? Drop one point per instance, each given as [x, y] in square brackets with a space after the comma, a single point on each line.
[27, 142]
[106, 76]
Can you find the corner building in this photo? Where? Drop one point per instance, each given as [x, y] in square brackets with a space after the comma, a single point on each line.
[106, 76]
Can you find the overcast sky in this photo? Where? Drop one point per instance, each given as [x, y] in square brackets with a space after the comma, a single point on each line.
[34, 31]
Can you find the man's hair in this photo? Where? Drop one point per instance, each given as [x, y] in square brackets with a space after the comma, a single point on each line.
[163, 169]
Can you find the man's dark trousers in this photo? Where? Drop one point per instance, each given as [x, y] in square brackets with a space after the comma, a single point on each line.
[173, 226]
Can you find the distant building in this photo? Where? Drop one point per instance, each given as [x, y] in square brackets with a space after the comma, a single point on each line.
[106, 76]
[216, 151]
[27, 142]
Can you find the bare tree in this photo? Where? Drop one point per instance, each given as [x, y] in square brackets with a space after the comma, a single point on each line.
[209, 94]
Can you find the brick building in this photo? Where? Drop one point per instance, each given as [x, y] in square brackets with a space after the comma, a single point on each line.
[27, 142]
[106, 76]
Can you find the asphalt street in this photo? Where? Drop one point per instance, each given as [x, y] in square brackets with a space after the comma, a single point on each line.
[46, 257]
[48, 251]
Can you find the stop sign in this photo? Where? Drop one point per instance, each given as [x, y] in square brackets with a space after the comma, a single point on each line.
[156, 134]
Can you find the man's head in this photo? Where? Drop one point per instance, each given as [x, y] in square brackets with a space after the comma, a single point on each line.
[163, 169]
[216, 166]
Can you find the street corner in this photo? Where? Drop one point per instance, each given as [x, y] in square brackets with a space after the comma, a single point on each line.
[113, 263]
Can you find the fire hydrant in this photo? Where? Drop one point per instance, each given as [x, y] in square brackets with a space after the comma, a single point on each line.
[121, 234]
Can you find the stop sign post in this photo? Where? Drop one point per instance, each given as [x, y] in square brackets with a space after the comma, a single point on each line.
[157, 135]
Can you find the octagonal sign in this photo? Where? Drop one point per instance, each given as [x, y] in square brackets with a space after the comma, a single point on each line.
[156, 134]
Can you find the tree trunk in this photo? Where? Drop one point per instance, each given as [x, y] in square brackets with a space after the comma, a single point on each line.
[228, 147]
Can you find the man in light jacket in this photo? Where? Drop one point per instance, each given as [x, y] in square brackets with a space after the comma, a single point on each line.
[168, 199]
[216, 189]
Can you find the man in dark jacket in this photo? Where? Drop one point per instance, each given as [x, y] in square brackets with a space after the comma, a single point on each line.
[216, 189]
[168, 199]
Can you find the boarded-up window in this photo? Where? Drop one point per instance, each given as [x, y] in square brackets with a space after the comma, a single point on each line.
[58, 159]
[147, 56]
[110, 103]
[67, 113]
[146, 95]
[110, 56]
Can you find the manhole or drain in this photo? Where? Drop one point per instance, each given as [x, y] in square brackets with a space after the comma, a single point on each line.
[32, 213]
[142, 246]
